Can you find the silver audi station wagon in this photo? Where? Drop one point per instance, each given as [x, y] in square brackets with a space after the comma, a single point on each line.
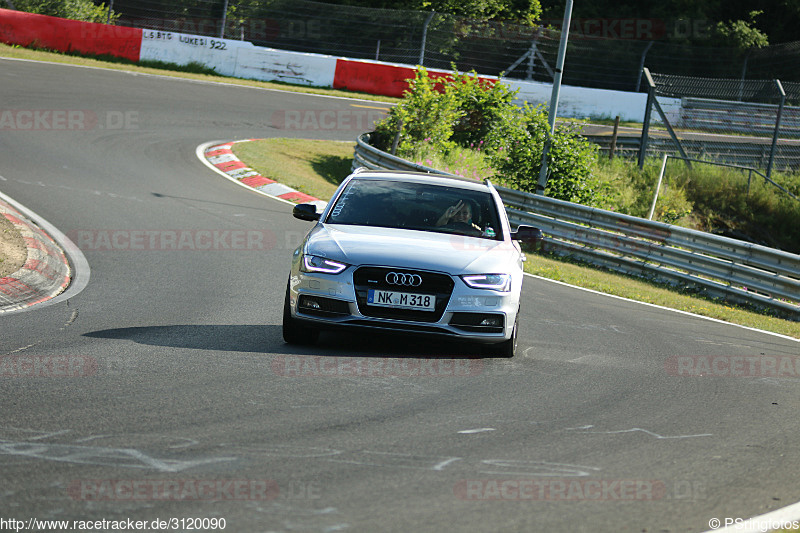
[410, 253]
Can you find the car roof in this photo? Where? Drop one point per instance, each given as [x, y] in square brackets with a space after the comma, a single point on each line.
[421, 177]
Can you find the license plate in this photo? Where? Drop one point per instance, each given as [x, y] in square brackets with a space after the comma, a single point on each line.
[401, 300]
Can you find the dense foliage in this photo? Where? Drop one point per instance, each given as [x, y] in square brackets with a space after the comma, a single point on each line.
[461, 111]
[84, 10]
[712, 21]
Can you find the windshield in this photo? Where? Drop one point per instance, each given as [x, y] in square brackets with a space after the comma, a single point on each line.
[417, 206]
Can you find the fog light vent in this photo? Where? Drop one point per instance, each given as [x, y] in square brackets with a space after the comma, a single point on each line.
[317, 305]
[479, 322]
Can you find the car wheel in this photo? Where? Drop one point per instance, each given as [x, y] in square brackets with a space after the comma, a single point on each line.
[293, 331]
[506, 349]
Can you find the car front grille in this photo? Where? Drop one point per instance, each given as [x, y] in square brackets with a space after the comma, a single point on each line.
[436, 284]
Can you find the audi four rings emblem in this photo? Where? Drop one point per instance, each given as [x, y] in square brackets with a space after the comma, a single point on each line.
[400, 278]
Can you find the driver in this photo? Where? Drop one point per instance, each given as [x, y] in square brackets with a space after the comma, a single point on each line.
[459, 213]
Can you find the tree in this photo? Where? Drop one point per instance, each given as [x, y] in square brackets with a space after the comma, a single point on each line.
[741, 33]
[83, 10]
[525, 11]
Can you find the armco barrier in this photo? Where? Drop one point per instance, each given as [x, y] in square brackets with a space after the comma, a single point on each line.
[62, 35]
[726, 268]
[735, 151]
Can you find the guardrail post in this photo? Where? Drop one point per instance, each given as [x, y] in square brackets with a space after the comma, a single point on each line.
[777, 127]
[396, 140]
[541, 185]
[613, 147]
[648, 112]
[425, 38]
[641, 65]
[658, 187]
[224, 19]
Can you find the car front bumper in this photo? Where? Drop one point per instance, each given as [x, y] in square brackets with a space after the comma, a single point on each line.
[337, 301]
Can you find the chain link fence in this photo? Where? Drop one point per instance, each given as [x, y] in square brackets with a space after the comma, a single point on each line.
[603, 53]
[752, 123]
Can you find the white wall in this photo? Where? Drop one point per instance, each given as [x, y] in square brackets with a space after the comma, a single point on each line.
[238, 58]
[290, 67]
[241, 59]
[181, 48]
[583, 102]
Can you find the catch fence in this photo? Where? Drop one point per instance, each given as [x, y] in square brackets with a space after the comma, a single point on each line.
[735, 121]
[603, 53]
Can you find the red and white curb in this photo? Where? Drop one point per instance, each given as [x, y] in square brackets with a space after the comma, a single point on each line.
[221, 157]
[46, 272]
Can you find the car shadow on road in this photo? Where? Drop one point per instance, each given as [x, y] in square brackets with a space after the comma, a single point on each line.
[267, 339]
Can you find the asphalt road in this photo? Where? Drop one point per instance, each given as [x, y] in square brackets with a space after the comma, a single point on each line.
[168, 377]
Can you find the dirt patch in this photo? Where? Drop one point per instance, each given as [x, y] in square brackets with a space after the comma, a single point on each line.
[13, 251]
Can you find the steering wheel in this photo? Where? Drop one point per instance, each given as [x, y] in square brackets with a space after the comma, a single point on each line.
[463, 227]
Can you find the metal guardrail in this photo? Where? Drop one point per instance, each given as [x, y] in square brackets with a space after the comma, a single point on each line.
[742, 117]
[370, 157]
[787, 156]
[726, 268]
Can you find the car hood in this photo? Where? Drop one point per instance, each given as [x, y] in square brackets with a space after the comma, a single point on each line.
[455, 254]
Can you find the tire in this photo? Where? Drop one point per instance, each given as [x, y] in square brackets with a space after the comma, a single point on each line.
[506, 349]
[293, 331]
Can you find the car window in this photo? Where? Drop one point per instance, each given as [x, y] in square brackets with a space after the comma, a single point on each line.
[417, 206]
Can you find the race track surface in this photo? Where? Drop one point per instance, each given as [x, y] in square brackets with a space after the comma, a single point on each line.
[168, 376]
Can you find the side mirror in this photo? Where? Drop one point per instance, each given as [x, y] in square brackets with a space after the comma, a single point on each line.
[528, 235]
[305, 212]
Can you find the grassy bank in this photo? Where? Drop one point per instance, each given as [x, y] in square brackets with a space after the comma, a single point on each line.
[316, 167]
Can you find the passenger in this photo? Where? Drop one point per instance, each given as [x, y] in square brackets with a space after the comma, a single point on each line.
[458, 216]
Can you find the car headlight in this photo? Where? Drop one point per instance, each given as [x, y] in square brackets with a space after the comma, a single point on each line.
[313, 263]
[497, 282]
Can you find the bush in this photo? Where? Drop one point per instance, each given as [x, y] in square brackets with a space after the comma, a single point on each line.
[516, 145]
[462, 110]
[83, 10]
[481, 104]
[427, 114]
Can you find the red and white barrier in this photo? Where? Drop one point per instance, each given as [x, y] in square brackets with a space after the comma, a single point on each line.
[62, 35]
[269, 64]
[243, 60]
[182, 49]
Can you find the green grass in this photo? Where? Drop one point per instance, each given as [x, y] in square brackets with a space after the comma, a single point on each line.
[312, 167]
[316, 167]
[460, 161]
[645, 291]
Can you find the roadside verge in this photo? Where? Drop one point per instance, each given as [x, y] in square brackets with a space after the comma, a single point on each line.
[219, 157]
[54, 270]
